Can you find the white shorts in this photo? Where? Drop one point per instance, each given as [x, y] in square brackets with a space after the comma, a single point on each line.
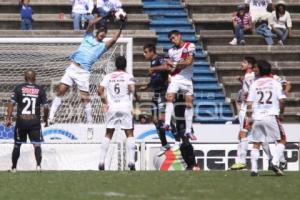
[77, 75]
[269, 129]
[183, 85]
[119, 118]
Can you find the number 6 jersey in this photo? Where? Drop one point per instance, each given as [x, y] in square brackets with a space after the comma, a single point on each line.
[116, 86]
[265, 94]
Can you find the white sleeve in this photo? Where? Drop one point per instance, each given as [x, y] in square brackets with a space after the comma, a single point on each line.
[104, 82]
[279, 91]
[192, 49]
[288, 20]
[247, 1]
[251, 96]
[131, 80]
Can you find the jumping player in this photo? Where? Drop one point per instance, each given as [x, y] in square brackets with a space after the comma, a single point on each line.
[115, 91]
[29, 97]
[159, 72]
[181, 59]
[91, 49]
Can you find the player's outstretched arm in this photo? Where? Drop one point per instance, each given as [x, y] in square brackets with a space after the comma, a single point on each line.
[112, 41]
[92, 23]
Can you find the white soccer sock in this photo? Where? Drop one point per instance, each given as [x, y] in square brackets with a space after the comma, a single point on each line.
[254, 159]
[278, 154]
[243, 150]
[55, 104]
[169, 111]
[104, 149]
[267, 151]
[188, 114]
[131, 149]
[282, 158]
[88, 112]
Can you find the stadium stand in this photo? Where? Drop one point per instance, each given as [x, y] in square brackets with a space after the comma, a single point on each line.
[212, 19]
[210, 105]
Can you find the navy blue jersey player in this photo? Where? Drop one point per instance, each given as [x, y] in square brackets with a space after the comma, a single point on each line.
[158, 71]
[29, 98]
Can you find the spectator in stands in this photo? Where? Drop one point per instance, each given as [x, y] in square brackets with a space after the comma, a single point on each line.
[263, 26]
[26, 15]
[257, 8]
[81, 12]
[241, 24]
[281, 22]
[106, 9]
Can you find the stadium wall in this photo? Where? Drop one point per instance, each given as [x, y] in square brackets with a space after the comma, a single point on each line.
[77, 147]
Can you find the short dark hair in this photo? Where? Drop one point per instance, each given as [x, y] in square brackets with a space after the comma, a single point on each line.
[101, 29]
[121, 63]
[176, 32]
[264, 67]
[250, 60]
[150, 47]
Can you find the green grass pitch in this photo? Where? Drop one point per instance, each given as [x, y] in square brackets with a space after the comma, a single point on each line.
[90, 185]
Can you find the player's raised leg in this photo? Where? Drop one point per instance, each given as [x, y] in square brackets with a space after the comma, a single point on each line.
[61, 90]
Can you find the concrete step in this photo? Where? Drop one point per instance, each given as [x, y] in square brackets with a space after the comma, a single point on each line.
[53, 22]
[224, 21]
[227, 6]
[139, 36]
[279, 68]
[236, 53]
[65, 6]
[223, 37]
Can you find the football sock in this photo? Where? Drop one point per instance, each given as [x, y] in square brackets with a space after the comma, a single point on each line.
[169, 111]
[244, 148]
[38, 155]
[254, 159]
[104, 149]
[188, 114]
[187, 152]
[55, 104]
[15, 155]
[162, 133]
[88, 113]
[266, 148]
[131, 149]
[282, 158]
[278, 153]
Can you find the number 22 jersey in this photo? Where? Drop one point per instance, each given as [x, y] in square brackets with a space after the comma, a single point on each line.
[265, 94]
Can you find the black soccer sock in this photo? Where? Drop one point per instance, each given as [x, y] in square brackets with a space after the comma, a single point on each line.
[38, 155]
[15, 155]
[187, 152]
[161, 133]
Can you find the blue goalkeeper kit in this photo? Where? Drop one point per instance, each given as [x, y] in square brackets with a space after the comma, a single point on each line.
[88, 52]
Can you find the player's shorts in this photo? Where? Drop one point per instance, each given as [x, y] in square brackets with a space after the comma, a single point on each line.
[32, 130]
[77, 75]
[268, 129]
[121, 119]
[183, 85]
[159, 103]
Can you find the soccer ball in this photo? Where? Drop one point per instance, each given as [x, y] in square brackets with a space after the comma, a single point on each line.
[120, 15]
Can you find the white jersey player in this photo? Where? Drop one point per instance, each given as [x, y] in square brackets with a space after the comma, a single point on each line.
[265, 104]
[181, 59]
[115, 90]
[247, 66]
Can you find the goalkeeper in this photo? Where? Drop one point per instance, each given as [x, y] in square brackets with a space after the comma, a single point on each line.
[90, 50]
